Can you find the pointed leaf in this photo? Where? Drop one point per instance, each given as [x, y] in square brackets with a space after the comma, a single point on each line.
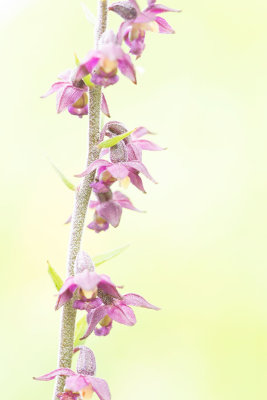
[63, 178]
[109, 255]
[80, 330]
[55, 277]
[114, 140]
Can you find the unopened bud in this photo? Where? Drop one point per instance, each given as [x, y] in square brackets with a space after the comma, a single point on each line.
[118, 153]
[86, 364]
[125, 9]
[83, 261]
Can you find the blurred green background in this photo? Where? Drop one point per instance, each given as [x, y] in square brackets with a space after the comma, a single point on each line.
[199, 252]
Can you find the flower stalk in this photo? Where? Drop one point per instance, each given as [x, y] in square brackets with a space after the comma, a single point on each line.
[79, 211]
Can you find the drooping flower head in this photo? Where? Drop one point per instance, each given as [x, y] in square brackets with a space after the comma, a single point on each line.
[80, 385]
[72, 94]
[138, 22]
[104, 62]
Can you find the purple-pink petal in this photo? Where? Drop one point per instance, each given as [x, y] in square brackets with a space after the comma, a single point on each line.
[54, 88]
[111, 212]
[93, 318]
[126, 67]
[80, 112]
[139, 167]
[103, 330]
[88, 304]
[94, 165]
[160, 8]
[66, 292]
[87, 280]
[76, 382]
[100, 387]
[132, 299]
[104, 80]
[147, 145]
[108, 287]
[124, 201]
[89, 63]
[67, 96]
[164, 27]
[98, 227]
[118, 170]
[121, 313]
[139, 132]
[136, 181]
[104, 106]
[57, 372]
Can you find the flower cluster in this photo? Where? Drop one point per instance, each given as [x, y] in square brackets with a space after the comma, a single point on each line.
[100, 66]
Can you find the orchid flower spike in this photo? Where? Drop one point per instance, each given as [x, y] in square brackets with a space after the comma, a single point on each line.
[80, 385]
[138, 22]
[86, 281]
[104, 62]
[72, 94]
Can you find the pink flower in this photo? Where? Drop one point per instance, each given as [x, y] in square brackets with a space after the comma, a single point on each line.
[108, 207]
[83, 384]
[72, 94]
[121, 170]
[138, 22]
[86, 281]
[104, 62]
[111, 309]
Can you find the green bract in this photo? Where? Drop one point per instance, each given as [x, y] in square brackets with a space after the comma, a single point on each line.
[107, 256]
[63, 178]
[55, 277]
[80, 329]
[114, 140]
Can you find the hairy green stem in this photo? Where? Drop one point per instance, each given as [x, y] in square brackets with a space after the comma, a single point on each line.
[79, 212]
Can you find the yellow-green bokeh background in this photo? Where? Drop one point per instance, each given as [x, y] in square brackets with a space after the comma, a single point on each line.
[200, 250]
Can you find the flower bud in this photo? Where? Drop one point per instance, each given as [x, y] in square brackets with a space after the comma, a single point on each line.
[114, 128]
[125, 9]
[118, 153]
[83, 261]
[86, 364]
